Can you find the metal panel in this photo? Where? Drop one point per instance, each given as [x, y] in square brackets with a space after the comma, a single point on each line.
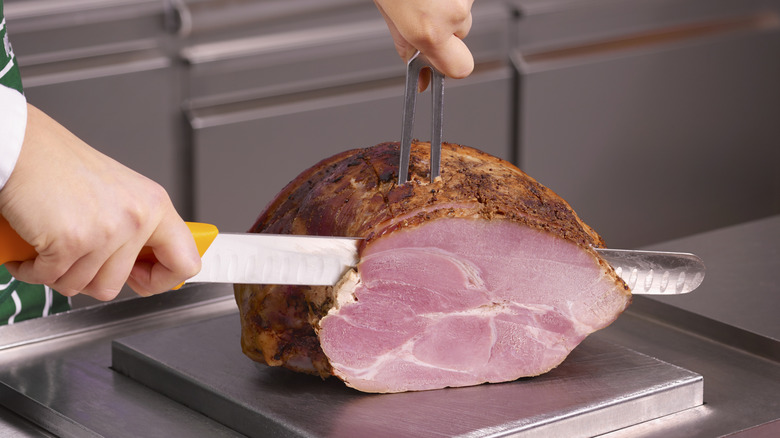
[549, 24]
[66, 385]
[663, 136]
[731, 394]
[202, 20]
[735, 255]
[125, 108]
[100, 68]
[13, 426]
[55, 27]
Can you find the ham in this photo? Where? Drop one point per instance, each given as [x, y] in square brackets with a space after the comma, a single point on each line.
[483, 275]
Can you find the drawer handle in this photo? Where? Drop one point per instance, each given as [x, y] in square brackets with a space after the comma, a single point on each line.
[668, 35]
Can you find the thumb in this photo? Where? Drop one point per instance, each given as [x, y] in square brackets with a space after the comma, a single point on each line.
[175, 260]
[454, 59]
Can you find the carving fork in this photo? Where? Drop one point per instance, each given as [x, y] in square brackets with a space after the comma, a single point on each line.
[413, 68]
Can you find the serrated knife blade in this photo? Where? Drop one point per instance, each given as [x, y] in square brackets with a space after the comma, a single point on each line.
[277, 259]
[321, 261]
[656, 272]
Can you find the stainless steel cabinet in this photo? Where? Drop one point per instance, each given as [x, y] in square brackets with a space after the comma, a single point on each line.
[264, 108]
[654, 119]
[103, 70]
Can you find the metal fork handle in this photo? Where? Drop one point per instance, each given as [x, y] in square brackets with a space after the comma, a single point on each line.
[413, 69]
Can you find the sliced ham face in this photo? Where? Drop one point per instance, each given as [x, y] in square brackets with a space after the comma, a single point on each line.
[482, 276]
[460, 302]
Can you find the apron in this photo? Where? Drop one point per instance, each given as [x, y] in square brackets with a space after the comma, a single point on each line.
[21, 301]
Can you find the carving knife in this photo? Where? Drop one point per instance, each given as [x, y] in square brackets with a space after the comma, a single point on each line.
[322, 261]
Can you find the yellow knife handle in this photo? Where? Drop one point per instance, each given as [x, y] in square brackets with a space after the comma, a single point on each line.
[203, 234]
[15, 249]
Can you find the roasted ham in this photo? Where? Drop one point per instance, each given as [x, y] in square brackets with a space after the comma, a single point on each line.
[483, 275]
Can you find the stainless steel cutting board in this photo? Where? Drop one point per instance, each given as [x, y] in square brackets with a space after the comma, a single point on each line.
[600, 387]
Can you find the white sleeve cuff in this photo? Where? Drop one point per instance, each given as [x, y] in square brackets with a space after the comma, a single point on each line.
[13, 122]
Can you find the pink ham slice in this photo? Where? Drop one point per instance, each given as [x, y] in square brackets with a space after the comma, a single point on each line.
[460, 302]
[456, 286]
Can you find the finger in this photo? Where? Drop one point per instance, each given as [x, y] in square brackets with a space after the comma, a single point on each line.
[140, 278]
[114, 272]
[464, 27]
[80, 274]
[177, 259]
[148, 279]
[44, 269]
[402, 46]
[20, 271]
[453, 58]
[424, 80]
[13, 269]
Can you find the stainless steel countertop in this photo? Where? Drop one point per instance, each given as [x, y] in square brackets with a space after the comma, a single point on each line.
[56, 373]
[742, 285]
[599, 388]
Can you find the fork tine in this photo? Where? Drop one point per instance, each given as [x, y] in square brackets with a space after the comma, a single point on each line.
[410, 98]
[413, 69]
[437, 114]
